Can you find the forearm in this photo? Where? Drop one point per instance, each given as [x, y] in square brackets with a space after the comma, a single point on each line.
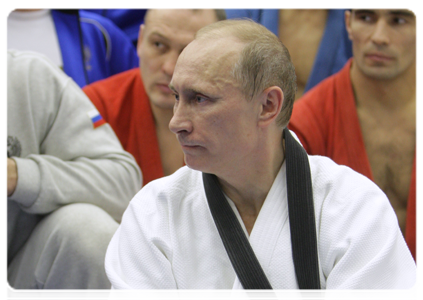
[47, 182]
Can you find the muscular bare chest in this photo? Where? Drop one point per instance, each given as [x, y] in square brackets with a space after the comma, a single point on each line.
[390, 146]
[301, 32]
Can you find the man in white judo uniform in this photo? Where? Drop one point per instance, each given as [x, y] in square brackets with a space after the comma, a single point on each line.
[234, 87]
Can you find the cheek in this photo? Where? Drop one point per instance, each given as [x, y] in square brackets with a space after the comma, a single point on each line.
[409, 48]
[152, 65]
[232, 128]
[148, 73]
[359, 35]
[149, 60]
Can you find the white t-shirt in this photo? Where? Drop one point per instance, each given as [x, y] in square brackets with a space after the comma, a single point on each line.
[34, 31]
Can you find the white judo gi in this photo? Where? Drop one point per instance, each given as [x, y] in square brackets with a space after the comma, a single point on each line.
[168, 239]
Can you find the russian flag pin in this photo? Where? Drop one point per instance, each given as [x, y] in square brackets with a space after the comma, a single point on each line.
[96, 118]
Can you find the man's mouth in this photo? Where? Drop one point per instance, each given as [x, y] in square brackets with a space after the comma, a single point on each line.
[164, 88]
[379, 57]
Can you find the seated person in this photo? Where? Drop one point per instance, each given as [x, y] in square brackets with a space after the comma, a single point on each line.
[138, 103]
[88, 47]
[317, 39]
[68, 180]
[230, 116]
[365, 115]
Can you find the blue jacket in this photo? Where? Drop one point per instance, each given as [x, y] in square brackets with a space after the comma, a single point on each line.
[92, 47]
[335, 48]
[129, 20]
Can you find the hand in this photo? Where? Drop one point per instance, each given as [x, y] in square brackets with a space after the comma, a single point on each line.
[12, 176]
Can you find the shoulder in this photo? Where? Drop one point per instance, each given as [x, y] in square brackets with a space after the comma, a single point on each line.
[318, 94]
[96, 20]
[29, 60]
[184, 181]
[340, 186]
[320, 100]
[123, 82]
[327, 173]
[92, 23]
[180, 188]
[128, 77]
[312, 114]
[35, 70]
[347, 204]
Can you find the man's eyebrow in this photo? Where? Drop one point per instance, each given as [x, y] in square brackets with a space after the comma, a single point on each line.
[364, 11]
[407, 13]
[158, 34]
[188, 91]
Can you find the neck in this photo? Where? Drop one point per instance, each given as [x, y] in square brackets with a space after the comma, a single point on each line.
[248, 185]
[385, 94]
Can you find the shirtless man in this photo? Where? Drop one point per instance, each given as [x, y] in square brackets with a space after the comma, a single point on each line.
[301, 30]
[365, 116]
[139, 108]
[316, 38]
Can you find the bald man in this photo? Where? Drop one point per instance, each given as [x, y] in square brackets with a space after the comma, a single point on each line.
[138, 103]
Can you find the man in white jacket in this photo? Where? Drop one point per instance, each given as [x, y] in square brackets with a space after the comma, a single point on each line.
[69, 180]
[234, 87]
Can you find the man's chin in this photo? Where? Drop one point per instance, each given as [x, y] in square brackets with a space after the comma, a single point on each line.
[162, 101]
[196, 166]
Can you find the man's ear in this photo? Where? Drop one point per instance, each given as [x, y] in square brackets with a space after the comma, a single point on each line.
[271, 101]
[140, 36]
[348, 17]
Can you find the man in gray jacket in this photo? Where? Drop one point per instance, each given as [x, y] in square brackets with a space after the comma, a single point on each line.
[68, 182]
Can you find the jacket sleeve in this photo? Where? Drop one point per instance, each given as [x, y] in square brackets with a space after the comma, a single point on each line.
[361, 245]
[123, 54]
[75, 161]
[140, 253]
[111, 49]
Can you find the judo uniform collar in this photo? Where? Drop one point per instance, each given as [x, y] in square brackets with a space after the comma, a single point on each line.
[301, 221]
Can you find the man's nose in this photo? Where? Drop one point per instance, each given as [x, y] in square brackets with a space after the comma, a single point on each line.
[380, 34]
[168, 66]
[181, 120]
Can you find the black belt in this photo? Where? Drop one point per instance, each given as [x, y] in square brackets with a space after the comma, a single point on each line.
[301, 220]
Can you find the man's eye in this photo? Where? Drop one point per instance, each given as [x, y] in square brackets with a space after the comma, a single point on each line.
[176, 97]
[365, 18]
[200, 99]
[159, 45]
[399, 20]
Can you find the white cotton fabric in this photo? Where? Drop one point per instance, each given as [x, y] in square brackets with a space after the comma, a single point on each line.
[34, 31]
[168, 239]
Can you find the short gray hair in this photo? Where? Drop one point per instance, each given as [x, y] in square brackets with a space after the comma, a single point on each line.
[263, 62]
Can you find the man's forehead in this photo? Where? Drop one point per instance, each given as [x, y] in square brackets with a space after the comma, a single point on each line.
[176, 26]
[209, 60]
[211, 55]
[222, 48]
